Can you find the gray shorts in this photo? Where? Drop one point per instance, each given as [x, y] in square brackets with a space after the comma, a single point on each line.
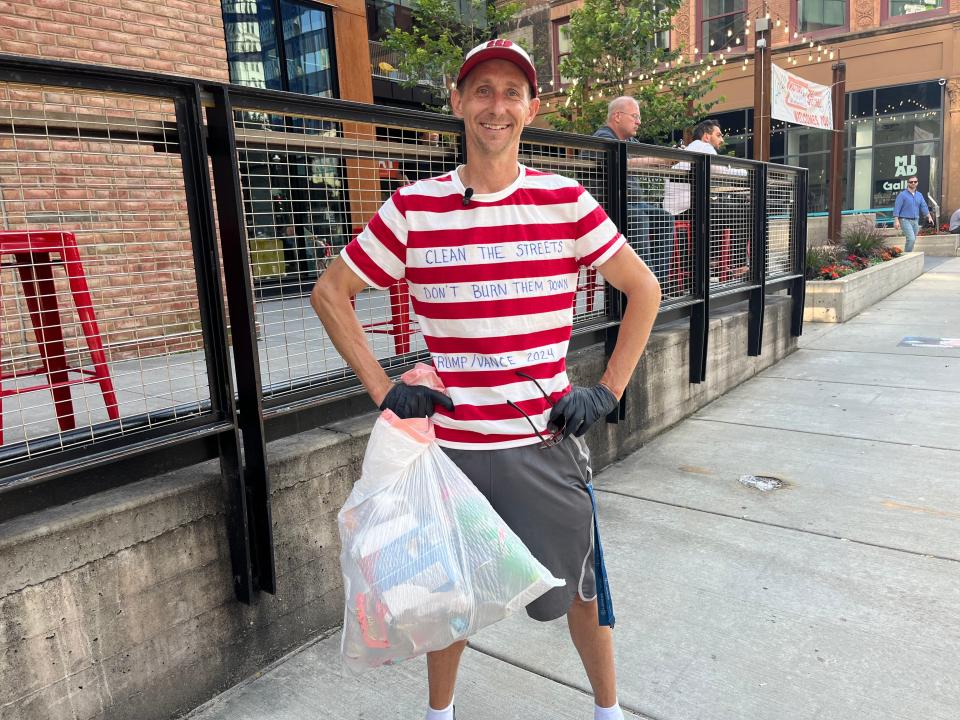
[542, 495]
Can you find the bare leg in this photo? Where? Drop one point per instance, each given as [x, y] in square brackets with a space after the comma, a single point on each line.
[595, 645]
[442, 668]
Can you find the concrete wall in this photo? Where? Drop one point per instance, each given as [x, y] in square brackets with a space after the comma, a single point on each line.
[938, 245]
[120, 605]
[817, 226]
[839, 300]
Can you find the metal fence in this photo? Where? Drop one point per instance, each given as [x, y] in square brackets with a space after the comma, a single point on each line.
[140, 212]
[106, 169]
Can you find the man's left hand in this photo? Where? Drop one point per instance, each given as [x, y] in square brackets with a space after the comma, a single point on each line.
[576, 411]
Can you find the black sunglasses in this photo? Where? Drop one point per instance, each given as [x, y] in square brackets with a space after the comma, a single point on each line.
[546, 441]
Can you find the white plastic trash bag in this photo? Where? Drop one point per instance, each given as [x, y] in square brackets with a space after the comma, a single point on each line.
[426, 560]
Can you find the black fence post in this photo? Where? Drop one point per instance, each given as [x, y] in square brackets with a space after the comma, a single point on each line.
[199, 199]
[700, 312]
[239, 285]
[799, 283]
[617, 211]
[758, 262]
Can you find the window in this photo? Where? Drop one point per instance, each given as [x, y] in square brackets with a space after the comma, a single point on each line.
[296, 217]
[561, 48]
[892, 133]
[737, 132]
[661, 39]
[384, 16]
[909, 7]
[898, 11]
[293, 51]
[816, 15]
[722, 25]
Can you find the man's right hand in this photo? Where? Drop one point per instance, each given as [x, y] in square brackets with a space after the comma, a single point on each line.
[414, 401]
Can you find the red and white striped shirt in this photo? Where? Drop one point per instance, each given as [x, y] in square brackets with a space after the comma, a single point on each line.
[493, 286]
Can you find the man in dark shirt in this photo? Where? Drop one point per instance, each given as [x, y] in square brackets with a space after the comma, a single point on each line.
[649, 227]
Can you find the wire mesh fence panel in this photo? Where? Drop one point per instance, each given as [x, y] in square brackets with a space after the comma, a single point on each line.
[589, 168]
[310, 184]
[781, 217]
[99, 316]
[732, 213]
[660, 211]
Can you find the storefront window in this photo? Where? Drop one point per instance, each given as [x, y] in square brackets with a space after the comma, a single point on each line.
[292, 52]
[737, 134]
[814, 15]
[893, 133]
[859, 170]
[909, 127]
[802, 140]
[893, 164]
[296, 216]
[722, 25]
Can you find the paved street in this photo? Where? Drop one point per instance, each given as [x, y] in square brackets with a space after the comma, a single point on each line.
[834, 597]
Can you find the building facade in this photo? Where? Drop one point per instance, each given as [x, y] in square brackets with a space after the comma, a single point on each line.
[902, 117]
[902, 80]
[91, 164]
[902, 58]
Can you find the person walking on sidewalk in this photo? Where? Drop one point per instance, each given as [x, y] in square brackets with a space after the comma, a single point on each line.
[907, 211]
[491, 252]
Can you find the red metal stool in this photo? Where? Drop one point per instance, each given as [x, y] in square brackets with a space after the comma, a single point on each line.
[724, 264]
[678, 274]
[31, 251]
[399, 325]
[590, 287]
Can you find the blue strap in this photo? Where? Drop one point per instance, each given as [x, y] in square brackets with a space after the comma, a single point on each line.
[604, 599]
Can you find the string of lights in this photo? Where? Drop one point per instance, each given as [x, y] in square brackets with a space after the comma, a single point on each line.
[802, 48]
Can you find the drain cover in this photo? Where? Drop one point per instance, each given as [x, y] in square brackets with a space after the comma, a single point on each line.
[761, 482]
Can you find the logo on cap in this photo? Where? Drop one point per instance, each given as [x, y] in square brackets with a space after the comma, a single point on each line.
[500, 49]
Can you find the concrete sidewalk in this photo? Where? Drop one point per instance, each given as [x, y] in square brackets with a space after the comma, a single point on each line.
[834, 597]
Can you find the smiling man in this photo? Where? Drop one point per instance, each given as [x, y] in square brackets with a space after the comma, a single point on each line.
[491, 252]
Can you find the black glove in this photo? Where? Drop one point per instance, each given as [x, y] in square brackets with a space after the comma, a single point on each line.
[580, 408]
[413, 401]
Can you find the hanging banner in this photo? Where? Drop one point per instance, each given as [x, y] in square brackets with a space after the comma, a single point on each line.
[800, 101]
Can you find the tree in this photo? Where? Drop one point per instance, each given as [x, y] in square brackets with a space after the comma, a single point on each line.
[442, 32]
[613, 52]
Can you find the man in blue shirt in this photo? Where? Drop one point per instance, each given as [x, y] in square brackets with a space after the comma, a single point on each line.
[906, 212]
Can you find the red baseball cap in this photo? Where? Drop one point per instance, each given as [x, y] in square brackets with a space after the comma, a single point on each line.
[500, 50]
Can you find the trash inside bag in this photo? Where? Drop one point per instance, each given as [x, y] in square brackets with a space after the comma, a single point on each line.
[426, 560]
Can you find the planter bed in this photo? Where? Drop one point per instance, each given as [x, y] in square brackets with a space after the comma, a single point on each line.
[943, 245]
[840, 300]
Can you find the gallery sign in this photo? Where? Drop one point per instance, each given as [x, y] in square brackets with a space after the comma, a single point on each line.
[800, 101]
[904, 167]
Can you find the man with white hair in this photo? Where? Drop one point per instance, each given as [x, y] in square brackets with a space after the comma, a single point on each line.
[647, 224]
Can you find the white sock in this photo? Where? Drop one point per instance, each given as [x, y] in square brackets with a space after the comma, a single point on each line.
[445, 714]
[609, 713]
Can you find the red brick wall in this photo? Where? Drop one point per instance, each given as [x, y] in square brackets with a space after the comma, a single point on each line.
[125, 200]
[169, 36]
